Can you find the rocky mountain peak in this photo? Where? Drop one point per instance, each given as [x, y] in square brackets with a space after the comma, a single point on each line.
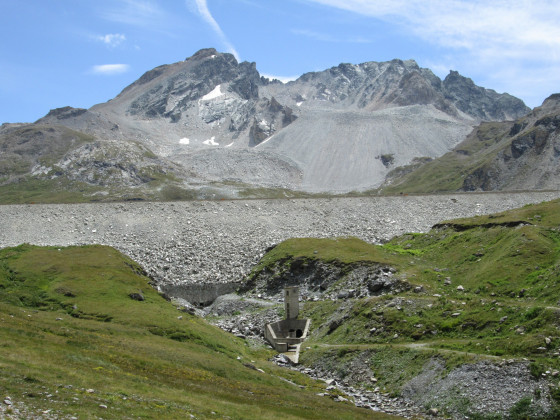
[396, 83]
[403, 65]
[169, 91]
[484, 104]
[203, 53]
[551, 103]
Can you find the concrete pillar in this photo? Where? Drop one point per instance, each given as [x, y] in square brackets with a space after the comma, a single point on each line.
[291, 301]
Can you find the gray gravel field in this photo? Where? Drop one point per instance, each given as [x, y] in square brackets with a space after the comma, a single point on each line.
[219, 241]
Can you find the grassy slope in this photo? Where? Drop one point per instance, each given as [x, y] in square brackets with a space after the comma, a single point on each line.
[508, 265]
[64, 191]
[344, 250]
[67, 325]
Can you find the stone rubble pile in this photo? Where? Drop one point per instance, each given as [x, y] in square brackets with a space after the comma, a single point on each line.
[342, 390]
[220, 241]
[244, 317]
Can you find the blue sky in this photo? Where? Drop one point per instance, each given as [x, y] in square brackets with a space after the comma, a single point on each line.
[82, 52]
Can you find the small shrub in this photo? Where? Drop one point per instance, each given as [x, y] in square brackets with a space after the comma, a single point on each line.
[342, 352]
[536, 369]
[533, 313]
[521, 409]
[555, 394]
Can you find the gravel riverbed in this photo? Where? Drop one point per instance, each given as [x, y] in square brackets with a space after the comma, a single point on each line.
[219, 241]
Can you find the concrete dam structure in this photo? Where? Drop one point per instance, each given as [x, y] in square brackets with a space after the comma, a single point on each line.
[287, 335]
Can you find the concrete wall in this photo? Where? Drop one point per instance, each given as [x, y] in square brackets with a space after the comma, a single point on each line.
[287, 332]
[291, 301]
[270, 335]
[200, 294]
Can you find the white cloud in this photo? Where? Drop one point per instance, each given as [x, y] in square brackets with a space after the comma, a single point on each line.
[521, 25]
[204, 12]
[111, 40]
[110, 69]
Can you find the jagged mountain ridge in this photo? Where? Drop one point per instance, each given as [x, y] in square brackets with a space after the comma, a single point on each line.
[338, 130]
[511, 155]
[373, 86]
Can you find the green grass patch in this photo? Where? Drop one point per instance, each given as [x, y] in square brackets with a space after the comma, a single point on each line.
[68, 325]
[343, 250]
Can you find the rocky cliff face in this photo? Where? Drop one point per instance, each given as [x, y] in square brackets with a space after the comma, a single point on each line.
[328, 128]
[478, 102]
[169, 91]
[326, 280]
[529, 156]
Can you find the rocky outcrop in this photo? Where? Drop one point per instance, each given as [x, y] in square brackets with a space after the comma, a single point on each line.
[319, 279]
[470, 390]
[54, 153]
[480, 389]
[110, 164]
[25, 148]
[528, 155]
[65, 112]
[271, 117]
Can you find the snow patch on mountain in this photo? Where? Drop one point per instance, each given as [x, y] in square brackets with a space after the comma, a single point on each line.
[215, 93]
[211, 142]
